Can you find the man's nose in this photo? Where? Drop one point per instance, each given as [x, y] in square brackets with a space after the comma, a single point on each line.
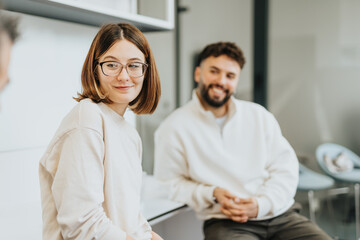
[221, 79]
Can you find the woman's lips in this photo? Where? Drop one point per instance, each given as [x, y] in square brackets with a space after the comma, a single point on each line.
[123, 87]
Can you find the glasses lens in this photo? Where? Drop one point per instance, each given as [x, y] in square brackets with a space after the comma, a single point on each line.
[111, 68]
[136, 69]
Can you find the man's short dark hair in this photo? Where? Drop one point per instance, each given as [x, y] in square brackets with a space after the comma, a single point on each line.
[8, 26]
[222, 48]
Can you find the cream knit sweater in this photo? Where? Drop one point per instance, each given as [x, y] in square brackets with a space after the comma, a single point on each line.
[90, 178]
[248, 156]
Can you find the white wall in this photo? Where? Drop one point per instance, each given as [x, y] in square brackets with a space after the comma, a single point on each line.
[45, 74]
[314, 72]
[20, 209]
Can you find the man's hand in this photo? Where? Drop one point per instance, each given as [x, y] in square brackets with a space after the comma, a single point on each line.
[155, 236]
[237, 209]
[241, 210]
[224, 197]
[129, 238]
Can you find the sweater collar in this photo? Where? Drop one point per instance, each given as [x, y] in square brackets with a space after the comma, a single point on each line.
[114, 115]
[231, 110]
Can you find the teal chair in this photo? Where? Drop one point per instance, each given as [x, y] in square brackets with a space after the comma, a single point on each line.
[353, 177]
[311, 181]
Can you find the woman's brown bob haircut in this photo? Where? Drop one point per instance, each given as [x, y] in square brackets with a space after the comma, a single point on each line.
[148, 98]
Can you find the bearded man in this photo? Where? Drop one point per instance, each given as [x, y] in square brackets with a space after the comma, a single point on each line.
[228, 160]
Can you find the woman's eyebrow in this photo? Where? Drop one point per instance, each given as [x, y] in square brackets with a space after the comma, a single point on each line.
[135, 58]
[116, 59]
[110, 57]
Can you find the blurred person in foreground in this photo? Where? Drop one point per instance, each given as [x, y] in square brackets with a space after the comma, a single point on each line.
[8, 36]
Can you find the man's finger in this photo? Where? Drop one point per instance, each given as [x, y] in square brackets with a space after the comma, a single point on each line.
[239, 219]
[226, 212]
[229, 204]
[234, 212]
[243, 200]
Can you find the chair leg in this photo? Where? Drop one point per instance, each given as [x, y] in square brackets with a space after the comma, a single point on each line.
[357, 210]
[330, 208]
[311, 205]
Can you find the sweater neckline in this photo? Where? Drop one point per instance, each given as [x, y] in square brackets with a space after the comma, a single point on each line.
[111, 112]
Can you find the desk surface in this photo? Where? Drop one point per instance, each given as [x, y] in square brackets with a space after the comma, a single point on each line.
[156, 207]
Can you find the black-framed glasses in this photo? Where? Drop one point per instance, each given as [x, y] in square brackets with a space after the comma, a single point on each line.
[112, 68]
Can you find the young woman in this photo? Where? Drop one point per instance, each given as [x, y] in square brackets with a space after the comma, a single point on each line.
[90, 175]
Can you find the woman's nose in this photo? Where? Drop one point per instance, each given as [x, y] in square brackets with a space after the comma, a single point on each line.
[123, 75]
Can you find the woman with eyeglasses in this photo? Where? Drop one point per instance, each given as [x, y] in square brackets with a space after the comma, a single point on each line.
[90, 175]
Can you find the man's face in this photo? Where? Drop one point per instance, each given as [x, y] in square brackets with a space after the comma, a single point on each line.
[5, 50]
[217, 79]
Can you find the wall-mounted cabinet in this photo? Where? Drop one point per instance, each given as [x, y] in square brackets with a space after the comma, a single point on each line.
[150, 15]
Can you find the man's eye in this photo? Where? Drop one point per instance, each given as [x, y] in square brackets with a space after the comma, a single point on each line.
[231, 77]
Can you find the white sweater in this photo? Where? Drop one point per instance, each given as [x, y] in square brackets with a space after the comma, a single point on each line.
[90, 178]
[249, 157]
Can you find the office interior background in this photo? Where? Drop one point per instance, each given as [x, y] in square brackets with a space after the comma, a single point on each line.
[313, 83]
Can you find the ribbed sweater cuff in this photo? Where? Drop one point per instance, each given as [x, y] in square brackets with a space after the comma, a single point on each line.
[210, 194]
[264, 206]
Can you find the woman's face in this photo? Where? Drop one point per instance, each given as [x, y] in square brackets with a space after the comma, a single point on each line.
[120, 87]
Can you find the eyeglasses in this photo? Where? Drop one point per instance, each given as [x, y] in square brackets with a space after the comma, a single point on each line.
[112, 68]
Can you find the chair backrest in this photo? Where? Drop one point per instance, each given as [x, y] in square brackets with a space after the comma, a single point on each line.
[311, 180]
[333, 150]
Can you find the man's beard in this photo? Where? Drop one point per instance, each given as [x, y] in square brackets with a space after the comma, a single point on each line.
[204, 92]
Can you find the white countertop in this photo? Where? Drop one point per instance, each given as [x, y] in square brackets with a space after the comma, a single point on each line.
[156, 207]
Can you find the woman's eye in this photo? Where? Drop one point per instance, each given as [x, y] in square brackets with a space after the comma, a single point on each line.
[112, 65]
[134, 65]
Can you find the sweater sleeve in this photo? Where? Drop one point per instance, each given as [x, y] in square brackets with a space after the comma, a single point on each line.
[280, 187]
[171, 168]
[78, 188]
[144, 232]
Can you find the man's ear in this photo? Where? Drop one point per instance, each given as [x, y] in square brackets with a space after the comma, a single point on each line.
[197, 74]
